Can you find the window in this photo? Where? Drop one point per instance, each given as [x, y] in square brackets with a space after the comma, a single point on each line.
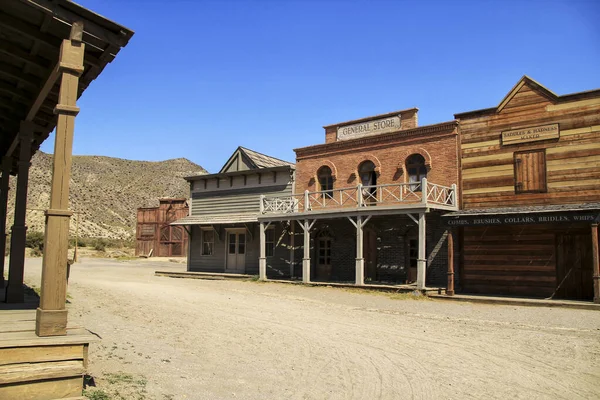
[530, 171]
[208, 240]
[416, 169]
[270, 242]
[368, 177]
[325, 180]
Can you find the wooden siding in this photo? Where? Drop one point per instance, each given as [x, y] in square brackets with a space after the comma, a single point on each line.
[236, 203]
[251, 179]
[514, 260]
[572, 161]
[153, 231]
[277, 265]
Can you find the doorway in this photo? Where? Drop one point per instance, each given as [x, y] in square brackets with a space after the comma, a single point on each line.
[236, 251]
[323, 267]
[370, 254]
[574, 267]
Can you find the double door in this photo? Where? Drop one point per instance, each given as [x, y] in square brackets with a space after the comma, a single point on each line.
[236, 251]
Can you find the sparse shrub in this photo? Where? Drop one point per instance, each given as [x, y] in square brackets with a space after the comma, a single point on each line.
[80, 243]
[100, 244]
[35, 252]
[35, 240]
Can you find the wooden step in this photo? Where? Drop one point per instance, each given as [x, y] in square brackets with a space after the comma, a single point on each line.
[27, 372]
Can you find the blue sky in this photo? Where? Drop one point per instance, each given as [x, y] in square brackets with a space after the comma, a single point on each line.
[200, 78]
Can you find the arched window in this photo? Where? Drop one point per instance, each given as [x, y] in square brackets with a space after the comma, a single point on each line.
[325, 179]
[366, 170]
[416, 169]
[368, 177]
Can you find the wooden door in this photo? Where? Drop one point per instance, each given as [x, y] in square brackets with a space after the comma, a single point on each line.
[370, 254]
[236, 251]
[574, 267]
[530, 171]
[323, 270]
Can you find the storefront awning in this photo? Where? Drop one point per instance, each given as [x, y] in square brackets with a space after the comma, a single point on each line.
[549, 214]
[216, 219]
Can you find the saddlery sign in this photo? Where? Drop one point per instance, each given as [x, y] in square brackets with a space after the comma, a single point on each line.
[523, 219]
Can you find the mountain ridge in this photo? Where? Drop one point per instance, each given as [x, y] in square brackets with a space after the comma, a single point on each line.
[105, 192]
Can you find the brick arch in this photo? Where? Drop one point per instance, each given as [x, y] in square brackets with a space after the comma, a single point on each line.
[409, 152]
[331, 166]
[372, 158]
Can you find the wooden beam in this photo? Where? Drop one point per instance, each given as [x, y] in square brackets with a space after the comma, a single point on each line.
[61, 14]
[595, 263]
[17, 52]
[450, 288]
[16, 73]
[422, 257]
[4, 185]
[262, 260]
[51, 316]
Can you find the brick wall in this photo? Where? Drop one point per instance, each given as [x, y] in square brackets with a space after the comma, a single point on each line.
[436, 143]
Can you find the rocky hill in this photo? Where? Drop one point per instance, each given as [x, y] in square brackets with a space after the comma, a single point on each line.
[107, 191]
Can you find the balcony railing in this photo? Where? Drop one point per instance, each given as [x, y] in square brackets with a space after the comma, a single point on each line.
[436, 196]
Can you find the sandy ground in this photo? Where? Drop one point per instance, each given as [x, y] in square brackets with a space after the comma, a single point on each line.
[165, 338]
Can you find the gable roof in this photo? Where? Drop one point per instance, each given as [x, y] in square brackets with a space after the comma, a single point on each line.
[254, 160]
[538, 87]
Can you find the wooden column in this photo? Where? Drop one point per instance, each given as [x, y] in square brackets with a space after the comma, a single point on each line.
[292, 248]
[450, 288]
[360, 261]
[262, 259]
[422, 260]
[4, 184]
[51, 318]
[595, 263]
[16, 264]
[306, 259]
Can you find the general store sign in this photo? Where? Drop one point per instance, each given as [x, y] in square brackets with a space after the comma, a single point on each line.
[374, 127]
[524, 219]
[533, 134]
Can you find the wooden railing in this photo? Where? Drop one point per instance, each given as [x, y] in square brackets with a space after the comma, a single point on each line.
[363, 196]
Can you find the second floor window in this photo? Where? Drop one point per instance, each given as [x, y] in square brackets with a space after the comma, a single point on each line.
[530, 171]
[325, 179]
[416, 169]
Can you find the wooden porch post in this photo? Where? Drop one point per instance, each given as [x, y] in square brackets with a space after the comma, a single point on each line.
[16, 264]
[595, 262]
[360, 261]
[262, 260]
[450, 288]
[422, 260]
[4, 184]
[51, 318]
[292, 248]
[306, 258]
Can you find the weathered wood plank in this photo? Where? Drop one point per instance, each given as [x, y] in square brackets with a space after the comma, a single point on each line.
[44, 390]
[15, 355]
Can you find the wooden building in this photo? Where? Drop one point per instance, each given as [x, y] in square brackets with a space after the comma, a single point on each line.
[530, 201]
[50, 52]
[367, 203]
[155, 236]
[224, 210]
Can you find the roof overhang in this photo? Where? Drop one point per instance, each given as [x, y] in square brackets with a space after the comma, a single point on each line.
[216, 219]
[31, 33]
[239, 173]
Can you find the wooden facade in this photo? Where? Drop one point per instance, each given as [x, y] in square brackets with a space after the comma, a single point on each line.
[536, 156]
[155, 236]
[224, 233]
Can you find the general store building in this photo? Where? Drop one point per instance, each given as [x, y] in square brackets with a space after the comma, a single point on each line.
[367, 203]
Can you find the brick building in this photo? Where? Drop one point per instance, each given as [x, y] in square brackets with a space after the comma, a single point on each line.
[367, 202]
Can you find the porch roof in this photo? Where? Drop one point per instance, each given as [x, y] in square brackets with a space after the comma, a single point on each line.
[217, 219]
[525, 210]
[31, 33]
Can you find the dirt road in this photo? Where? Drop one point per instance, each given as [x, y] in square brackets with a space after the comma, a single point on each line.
[165, 338]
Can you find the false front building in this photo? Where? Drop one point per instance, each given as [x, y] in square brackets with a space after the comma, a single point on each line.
[531, 195]
[224, 210]
[367, 202]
